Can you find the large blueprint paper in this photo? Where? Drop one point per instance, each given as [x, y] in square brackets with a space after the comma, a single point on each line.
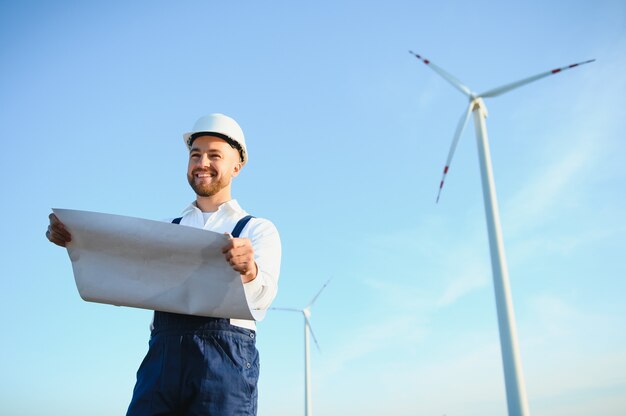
[154, 265]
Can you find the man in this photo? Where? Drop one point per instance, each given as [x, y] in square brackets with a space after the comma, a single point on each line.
[197, 365]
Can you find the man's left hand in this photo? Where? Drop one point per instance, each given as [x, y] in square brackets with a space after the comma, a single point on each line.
[239, 253]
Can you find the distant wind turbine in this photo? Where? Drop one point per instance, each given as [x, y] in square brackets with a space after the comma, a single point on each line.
[306, 313]
[514, 381]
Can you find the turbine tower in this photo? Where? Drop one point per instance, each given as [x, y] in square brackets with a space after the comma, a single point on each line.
[306, 313]
[514, 381]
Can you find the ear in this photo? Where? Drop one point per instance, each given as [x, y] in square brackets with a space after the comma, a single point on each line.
[237, 168]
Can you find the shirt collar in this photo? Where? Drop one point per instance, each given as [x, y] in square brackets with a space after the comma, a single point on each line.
[232, 206]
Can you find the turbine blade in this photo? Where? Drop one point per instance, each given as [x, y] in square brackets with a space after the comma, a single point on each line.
[448, 77]
[508, 87]
[457, 135]
[312, 334]
[318, 293]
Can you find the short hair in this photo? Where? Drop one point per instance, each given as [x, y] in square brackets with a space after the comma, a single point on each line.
[235, 145]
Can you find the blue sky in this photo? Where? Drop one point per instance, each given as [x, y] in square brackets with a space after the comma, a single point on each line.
[347, 135]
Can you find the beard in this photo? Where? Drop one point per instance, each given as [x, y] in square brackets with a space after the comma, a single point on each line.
[206, 189]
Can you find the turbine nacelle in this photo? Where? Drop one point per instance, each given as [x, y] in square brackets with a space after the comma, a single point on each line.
[478, 103]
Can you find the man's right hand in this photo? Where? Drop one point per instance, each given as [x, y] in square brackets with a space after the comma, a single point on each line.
[57, 233]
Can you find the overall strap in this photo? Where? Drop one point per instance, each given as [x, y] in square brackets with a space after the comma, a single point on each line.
[240, 225]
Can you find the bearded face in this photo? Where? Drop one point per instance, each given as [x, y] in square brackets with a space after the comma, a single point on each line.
[212, 165]
[206, 183]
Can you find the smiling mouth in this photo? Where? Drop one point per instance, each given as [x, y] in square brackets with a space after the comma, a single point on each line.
[203, 175]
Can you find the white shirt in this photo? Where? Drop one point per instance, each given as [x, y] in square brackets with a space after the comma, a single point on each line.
[261, 291]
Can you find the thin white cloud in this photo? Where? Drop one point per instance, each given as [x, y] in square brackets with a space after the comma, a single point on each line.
[566, 360]
[575, 157]
[448, 267]
[573, 354]
[466, 273]
[536, 202]
[410, 307]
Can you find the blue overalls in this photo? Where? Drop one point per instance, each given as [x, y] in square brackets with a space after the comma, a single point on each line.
[197, 366]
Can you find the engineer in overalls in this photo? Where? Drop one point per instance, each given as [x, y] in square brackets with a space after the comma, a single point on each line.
[197, 365]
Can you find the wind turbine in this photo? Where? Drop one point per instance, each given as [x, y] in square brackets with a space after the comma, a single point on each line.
[306, 313]
[514, 382]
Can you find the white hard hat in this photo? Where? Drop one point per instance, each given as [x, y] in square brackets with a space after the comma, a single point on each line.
[221, 126]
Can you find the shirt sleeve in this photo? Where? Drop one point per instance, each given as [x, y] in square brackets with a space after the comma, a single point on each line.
[261, 291]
